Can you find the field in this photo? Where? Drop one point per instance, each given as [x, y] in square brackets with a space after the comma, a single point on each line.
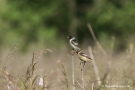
[61, 71]
[36, 55]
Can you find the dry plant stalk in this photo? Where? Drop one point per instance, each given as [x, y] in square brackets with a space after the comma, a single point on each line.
[65, 81]
[94, 66]
[83, 84]
[9, 55]
[95, 39]
[29, 81]
[92, 87]
[83, 80]
[7, 78]
[10, 79]
[45, 83]
[80, 85]
[73, 72]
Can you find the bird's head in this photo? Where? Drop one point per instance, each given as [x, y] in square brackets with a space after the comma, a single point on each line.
[70, 37]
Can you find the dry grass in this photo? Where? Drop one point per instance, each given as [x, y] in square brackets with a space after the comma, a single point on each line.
[61, 71]
[56, 71]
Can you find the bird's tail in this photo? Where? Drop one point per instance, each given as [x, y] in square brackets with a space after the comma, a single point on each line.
[89, 60]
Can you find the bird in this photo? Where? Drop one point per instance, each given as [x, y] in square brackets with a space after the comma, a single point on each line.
[73, 43]
[83, 57]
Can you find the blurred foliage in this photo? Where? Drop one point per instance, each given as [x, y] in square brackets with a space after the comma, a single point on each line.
[48, 22]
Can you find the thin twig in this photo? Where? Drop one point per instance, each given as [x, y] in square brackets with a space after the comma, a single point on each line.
[9, 55]
[73, 73]
[83, 80]
[95, 39]
[83, 85]
[92, 86]
[80, 85]
[94, 66]
[45, 82]
[65, 76]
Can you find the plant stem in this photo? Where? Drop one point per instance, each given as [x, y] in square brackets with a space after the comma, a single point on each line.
[83, 81]
[95, 39]
[73, 73]
[94, 66]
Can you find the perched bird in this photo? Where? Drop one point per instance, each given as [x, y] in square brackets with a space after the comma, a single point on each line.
[73, 43]
[83, 57]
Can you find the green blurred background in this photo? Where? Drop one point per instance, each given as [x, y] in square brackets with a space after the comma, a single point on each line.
[47, 23]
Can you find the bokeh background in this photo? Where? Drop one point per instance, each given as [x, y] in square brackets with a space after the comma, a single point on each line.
[28, 26]
[46, 23]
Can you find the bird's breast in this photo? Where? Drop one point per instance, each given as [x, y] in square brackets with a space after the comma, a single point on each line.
[83, 58]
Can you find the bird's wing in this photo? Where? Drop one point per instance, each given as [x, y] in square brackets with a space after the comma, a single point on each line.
[83, 54]
[75, 43]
